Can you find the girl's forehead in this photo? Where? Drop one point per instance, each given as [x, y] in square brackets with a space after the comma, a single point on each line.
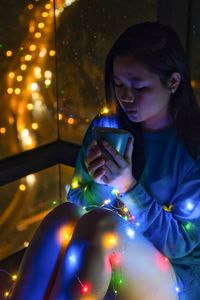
[129, 67]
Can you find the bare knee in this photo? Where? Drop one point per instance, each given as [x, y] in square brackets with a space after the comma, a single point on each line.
[63, 213]
[99, 222]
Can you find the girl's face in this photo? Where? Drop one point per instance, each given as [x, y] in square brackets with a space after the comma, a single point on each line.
[140, 93]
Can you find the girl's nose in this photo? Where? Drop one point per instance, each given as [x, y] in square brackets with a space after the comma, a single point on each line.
[127, 96]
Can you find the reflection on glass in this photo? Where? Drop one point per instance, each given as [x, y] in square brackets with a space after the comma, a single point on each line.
[85, 31]
[28, 67]
[195, 47]
[25, 202]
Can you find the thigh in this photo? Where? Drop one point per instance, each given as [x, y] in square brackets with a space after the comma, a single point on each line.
[42, 256]
[140, 271]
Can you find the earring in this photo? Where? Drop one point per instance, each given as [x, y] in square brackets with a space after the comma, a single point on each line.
[172, 91]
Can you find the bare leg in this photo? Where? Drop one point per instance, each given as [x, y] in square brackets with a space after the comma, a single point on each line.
[42, 257]
[104, 246]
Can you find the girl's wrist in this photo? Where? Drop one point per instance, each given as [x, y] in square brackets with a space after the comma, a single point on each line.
[128, 186]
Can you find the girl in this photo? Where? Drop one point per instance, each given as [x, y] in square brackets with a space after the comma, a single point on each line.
[132, 231]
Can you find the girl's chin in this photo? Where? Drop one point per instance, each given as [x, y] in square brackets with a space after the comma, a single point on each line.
[133, 118]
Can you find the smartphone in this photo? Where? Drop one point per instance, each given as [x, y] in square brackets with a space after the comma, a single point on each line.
[118, 138]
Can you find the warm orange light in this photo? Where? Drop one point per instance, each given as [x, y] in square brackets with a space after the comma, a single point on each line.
[29, 106]
[31, 28]
[70, 121]
[41, 25]
[52, 52]
[6, 294]
[33, 47]
[47, 82]
[45, 14]
[30, 6]
[17, 91]
[194, 83]
[60, 117]
[26, 244]
[48, 6]
[64, 233]
[109, 240]
[23, 67]
[43, 52]
[22, 187]
[14, 277]
[35, 126]
[48, 74]
[9, 53]
[9, 91]
[27, 57]
[2, 130]
[38, 35]
[11, 120]
[19, 78]
[11, 75]
[104, 111]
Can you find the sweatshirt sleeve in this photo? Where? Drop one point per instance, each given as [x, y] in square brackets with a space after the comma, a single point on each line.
[173, 229]
[84, 190]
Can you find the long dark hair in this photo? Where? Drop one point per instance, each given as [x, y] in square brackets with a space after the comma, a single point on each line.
[159, 48]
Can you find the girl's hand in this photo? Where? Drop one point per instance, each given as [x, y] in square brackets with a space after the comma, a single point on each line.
[118, 172]
[95, 161]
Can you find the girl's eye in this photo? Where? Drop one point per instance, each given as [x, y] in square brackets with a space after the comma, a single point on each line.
[139, 88]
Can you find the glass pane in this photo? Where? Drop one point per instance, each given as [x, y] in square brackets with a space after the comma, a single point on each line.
[195, 49]
[85, 31]
[25, 202]
[27, 66]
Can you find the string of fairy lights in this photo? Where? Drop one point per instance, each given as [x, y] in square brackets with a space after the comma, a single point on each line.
[27, 80]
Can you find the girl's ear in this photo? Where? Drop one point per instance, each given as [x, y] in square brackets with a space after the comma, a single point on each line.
[174, 82]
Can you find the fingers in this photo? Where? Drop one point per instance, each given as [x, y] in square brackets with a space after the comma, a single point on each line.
[93, 152]
[116, 156]
[95, 165]
[129, 149]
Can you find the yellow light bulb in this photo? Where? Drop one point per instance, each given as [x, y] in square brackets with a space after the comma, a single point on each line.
[38, 35]
[2, 130]
[35, 126]
[11, 75]
[48, 6]
[22, 187]
[33, 47]
[45, 14]
[41, 25]
[9, 91]
[30, 6]
[14, 277]
[52, 52]
[23, 67]
[60, 116]
[17, 91]
[19, 78]
[26, 244]
[70, 121]
[29, 106]
[109, 240]
[9, 53]
[75, 183]
[31, 28]
[104, 110]
[6, 294]
[28, 57]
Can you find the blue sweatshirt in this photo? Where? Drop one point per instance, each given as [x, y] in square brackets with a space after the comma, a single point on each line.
[165, 201]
